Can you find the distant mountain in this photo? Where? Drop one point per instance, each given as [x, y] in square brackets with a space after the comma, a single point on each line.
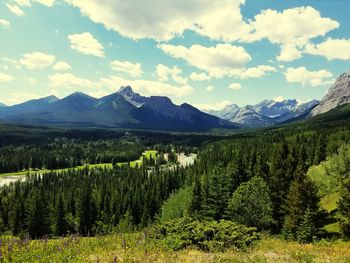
[266, 113]
[27, 107]
[338, 94]
[123, 109]
[227, 113]
[132, 97]
[249, 117]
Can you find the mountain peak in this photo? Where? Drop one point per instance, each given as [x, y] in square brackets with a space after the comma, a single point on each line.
[132, 97]
[125, 90]
[337, 95]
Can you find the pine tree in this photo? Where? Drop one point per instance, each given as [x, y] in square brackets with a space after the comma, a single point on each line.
[60, 222]
[39, 223]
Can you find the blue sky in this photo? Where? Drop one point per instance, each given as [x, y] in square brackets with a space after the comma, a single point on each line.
[207, 53]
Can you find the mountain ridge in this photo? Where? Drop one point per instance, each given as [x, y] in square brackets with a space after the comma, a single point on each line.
[122, 109]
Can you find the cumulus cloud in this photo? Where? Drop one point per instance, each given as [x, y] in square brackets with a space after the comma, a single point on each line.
[5, 23]
[134, 19]
[292, 29]
[107, 85]
[48, 3]
[279, 99]
[70, 81]
[218, 61]
[130, 68]
[307, 77]
[254, 72]
[213, 106]
[15, 9]
[32, 81]
[5, 77]
[199, 76]
[331, 49]
[235, 86]
[210, 88]
[147, 87]
[37, 60]
[23, 2]
[86, 43]
[61, 66]
[163, 73]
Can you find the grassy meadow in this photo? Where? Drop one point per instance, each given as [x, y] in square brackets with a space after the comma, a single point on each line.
[147, 154]
[136, 248]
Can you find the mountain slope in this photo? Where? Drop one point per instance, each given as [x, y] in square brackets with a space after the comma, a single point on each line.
[266, 113]
[249, 117]
[337, 95]
[227, 113]
[27, 107]
[123, 109]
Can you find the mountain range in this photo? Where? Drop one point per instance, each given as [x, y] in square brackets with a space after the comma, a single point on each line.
[265, 113]
[128, 109]
[122, 109]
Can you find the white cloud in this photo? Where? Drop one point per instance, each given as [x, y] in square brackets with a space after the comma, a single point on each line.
[61, 66]
[15, 9]
[5, 23]
[130, 68]
[279, 99]
[235, 86]
[134, 19]
[306, 77]
[210, 88]
[106, 85]
[23, 2]
[37, 60]
[32, 81]
[86, 43]
[70, 81]
[218, 61]
[213, 106]
[254, 72]
[48, 3]
[20, 97]
[292, 29]
[163, 72]
[5, 77]
[199, 76]
[331, 49]
[146, 87]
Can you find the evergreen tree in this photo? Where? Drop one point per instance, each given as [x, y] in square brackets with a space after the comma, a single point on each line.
[251, 205]
[39, 223]
[60, 221]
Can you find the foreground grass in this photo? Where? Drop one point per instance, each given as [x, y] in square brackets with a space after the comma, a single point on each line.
[136, 248]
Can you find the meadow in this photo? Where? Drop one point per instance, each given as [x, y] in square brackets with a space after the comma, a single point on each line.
[149, 154]
[137, 248]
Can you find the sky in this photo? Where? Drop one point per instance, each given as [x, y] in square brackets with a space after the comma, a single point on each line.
[203, 52]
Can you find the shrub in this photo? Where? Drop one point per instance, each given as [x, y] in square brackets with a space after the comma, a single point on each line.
[204, 235]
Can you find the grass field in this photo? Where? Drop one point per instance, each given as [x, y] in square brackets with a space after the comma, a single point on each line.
[135, 248]
[148, 154]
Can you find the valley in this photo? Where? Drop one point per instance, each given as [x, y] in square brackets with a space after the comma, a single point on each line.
[269, 194]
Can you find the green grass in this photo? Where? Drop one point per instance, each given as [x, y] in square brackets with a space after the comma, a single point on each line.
[137, 248]
[133, 164]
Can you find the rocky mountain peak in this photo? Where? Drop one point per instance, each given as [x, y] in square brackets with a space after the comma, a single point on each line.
[337, 95]
[132, 97]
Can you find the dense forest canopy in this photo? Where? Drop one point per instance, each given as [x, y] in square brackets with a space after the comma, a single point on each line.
[258, 179]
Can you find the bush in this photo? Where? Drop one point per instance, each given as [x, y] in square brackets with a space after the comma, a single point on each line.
[205, 235]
